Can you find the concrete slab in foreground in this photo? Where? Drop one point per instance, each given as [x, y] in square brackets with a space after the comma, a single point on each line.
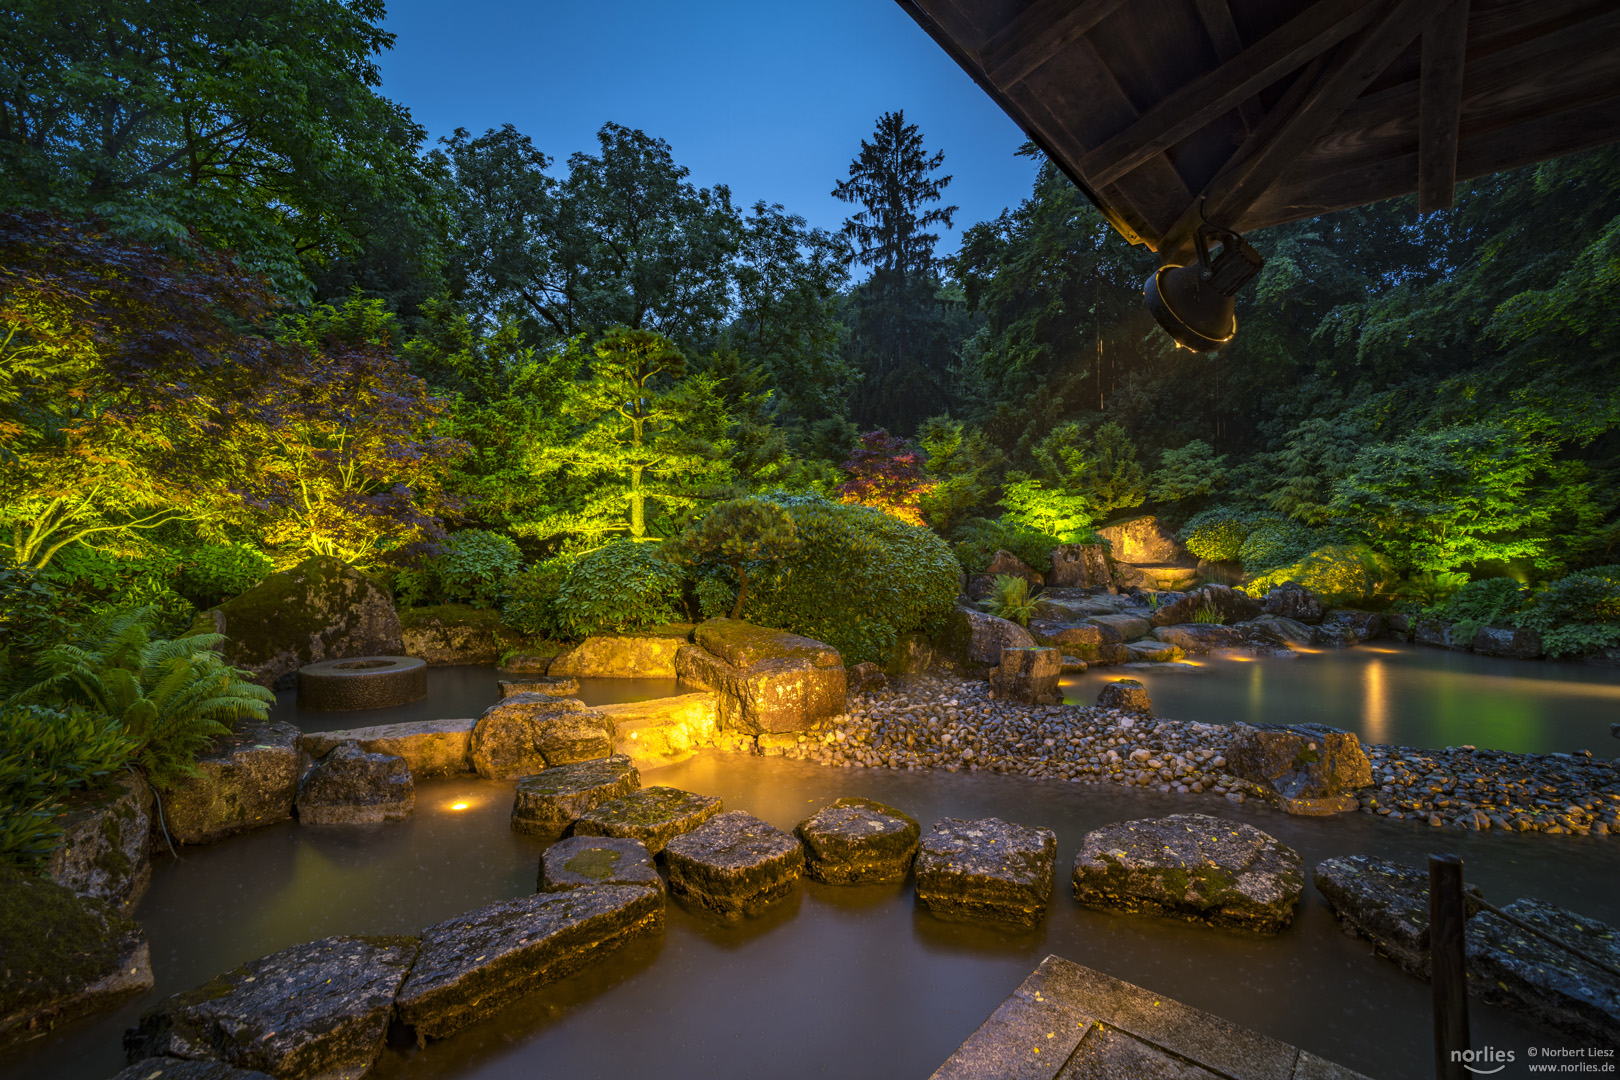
[1067, 1022]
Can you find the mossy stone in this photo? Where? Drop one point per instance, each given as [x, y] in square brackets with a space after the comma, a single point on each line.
[653, 815]
[733, 865]
[581, 861]
[548, 802]
[859, 841]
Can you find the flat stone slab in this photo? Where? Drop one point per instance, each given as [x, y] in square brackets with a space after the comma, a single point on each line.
[550, 685]
[733, 865]
[244, 780]
[1385, 902]
[1200, 637]
[525, 733]
[652, 815]
[987, 869]
[1075, 1023]
[586, 861]
[553, 799]
[477, 963]
[1535, 978]
[63, 956]
[1194, 867]
[859, 842]
[315, 1010]
[167, 1068]
[429, 747]
[350, 786]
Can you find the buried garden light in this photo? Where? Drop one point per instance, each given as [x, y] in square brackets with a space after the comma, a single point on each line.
[1194, 303]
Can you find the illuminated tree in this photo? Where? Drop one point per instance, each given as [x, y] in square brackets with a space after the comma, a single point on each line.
[735, 534]
[887, 474]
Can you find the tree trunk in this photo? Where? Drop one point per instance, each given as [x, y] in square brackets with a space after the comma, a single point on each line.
[638, 505]
[742, 590]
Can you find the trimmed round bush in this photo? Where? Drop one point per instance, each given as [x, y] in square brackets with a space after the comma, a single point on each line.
[1217, 534]
[624, 586]
[858, 580]
[1343, 575]
[473, 566]
[530, 606]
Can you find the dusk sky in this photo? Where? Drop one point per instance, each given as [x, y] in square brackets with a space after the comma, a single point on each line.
[770, 98]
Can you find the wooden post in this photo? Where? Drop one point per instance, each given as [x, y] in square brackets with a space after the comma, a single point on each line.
[1447, 965]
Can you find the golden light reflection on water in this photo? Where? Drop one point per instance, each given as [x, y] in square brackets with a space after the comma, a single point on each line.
[460, 802]
[1375, 702]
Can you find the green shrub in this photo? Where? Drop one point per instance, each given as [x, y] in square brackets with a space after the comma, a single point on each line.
[1209, 613]
[471, 567]
[1425, 590]
[716, 595]
[858, 580]
[1218, 534]
[1485, 602]
[530, 606]
[978, 539]
[1576, 614]
[210, 574]
[106, 583]
[1341, 574]
[170, 697]
[34, 614]
[1278, 542]
[624, 586]
[44, 754]
[1011, 599]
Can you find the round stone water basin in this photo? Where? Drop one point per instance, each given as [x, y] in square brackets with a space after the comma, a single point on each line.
[362, 682]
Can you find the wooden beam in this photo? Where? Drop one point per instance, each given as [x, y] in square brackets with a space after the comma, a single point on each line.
[1216, 16]
[1037, 34]
[1440, 91]
[1273, 149]
[1183, 112]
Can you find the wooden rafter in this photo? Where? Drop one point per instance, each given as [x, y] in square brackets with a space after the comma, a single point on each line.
[1183, 112]
[1440, 95]
[1216, 15]
[1039, 33]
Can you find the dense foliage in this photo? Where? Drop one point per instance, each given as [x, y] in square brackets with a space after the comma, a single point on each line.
[624, 586]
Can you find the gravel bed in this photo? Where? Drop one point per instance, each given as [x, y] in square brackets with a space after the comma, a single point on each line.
[940, 722]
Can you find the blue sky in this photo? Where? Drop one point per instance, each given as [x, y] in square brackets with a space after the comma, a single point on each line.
[768, 97]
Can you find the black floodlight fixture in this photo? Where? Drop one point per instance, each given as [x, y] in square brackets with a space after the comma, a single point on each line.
[1194, 303]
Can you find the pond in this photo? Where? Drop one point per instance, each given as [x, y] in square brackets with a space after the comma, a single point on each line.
[1405, 695]
[844, 982]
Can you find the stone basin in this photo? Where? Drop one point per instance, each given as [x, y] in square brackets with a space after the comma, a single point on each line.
[362, 682]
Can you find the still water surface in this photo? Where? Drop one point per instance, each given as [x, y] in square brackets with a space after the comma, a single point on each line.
[832, 982]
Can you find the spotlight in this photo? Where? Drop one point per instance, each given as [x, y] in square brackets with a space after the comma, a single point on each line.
[1194, 303]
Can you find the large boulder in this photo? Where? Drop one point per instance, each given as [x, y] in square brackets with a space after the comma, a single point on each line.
[1291, 600]
[321, 609]
[315, 1010]
[663, 731]
[858, 841]
[1385, 902]
[1532, 977]
[1080, 566]
[767, 681]
[477, 963]
[1131, 627]
[1092, 642]
[1354, 623]
[62, 956]
[456, 634]
[351, 786]
[1028, 675]
[1313, 769]
[733, 865]
[429, 747]
[912, 653]
[586, 862]
[1142, 539]
[1507, 642]
[1231, 605]
[989, 869]
[551, 800]
[1278, 630]
[1005, 563]
[972, 641]
[652, 815]
[244, 780]
[104, 851]
[1441, 635]
[525, 733]
[1200, 637]
[647, 655]
[1194, 867]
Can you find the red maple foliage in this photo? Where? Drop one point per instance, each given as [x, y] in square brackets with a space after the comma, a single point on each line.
[886, 473]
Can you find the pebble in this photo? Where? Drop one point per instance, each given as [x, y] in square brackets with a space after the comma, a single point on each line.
[936, 721]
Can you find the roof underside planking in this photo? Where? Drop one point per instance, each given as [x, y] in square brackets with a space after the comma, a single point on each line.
[1255, 112]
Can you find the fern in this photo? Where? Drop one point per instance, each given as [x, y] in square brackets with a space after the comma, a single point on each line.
[1011, 599]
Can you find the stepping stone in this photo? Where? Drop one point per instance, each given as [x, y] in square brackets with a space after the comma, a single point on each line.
[1535, 978]
[734, 865]
[1386, 903]
[859, 842]
[350, 786]
[1194, 867]
[315, 1010]
[551, 800]
[584, 861]
[551, 685]
[475, 964]
[988, 869]
[652, 815]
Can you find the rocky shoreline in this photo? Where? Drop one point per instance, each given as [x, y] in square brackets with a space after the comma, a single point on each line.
[936, 721]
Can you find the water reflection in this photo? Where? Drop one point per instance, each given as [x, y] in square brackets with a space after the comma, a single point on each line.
[1402, 694]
